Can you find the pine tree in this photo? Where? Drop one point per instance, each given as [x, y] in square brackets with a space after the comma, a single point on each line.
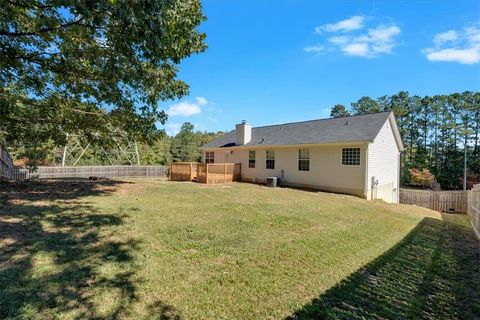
[339, 110]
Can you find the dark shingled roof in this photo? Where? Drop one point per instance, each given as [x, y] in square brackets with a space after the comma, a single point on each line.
[346, 129]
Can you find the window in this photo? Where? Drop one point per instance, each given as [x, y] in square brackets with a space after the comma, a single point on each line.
[304, 159]
[251, 159]
[270, 159]
[210, 157]
[351, 156]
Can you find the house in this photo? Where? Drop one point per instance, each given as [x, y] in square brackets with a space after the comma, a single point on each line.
[358, 155]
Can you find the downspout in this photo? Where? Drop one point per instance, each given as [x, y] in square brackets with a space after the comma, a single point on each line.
[399, 173]
[366, 189]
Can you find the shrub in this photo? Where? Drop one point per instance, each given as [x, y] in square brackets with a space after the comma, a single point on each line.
[424, 178]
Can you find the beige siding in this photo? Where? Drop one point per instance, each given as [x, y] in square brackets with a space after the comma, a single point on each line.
[383, 165]
[326, 169]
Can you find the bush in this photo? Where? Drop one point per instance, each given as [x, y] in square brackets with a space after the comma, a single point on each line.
[424, 178]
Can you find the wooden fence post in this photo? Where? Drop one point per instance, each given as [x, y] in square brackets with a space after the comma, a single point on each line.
[6, 164]
[208, 165]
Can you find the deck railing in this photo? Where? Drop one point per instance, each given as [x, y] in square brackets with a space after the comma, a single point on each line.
[214, 173]
[183, 171]
[210, 173]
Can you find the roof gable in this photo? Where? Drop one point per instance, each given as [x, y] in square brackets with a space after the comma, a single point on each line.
[336, 130]
[396, 131]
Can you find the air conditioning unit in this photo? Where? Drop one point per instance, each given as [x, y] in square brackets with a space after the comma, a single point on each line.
[271, 182]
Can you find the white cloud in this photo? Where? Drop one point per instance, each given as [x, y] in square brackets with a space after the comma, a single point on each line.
[201, 101]
[377, 41]
[464, 56]
[347, 25]
[456, 46]
[356, 49]
[184, 109]
[187, 109]
[441, 38]
[339, 40]
[473, 34]
[374, 42]
[317, 49]
[382, 33]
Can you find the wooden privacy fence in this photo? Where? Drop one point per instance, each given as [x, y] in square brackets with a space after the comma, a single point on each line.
[474, 208]
[6, 164]
[211, 173]
[91, 171]
[444, 201]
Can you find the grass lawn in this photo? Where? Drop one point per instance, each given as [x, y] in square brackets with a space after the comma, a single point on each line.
[163, 250]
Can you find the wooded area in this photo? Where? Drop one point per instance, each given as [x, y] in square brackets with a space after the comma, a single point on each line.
[437, 132]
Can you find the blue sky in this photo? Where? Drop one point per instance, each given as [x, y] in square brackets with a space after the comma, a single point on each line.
[280, 61]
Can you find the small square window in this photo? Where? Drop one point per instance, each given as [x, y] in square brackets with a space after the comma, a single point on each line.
[351, 156]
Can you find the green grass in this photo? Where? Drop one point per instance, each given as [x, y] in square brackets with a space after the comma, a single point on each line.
[163, 250]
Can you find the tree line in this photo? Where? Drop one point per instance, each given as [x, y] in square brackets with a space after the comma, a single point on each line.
[183, 146]
[437, 132]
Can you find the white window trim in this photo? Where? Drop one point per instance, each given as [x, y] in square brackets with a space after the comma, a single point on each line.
[298, 159]
[209, 158]
[266, 159]
[254, 159]
[351, 165]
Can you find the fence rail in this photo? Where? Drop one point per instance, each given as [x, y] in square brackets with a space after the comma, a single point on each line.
[6, 164]
[445, 201]
[474, 208]
[90, 171]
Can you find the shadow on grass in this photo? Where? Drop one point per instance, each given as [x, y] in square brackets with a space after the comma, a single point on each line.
[162, 311]
[51, 252]
[55, 189]
[434, 273]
